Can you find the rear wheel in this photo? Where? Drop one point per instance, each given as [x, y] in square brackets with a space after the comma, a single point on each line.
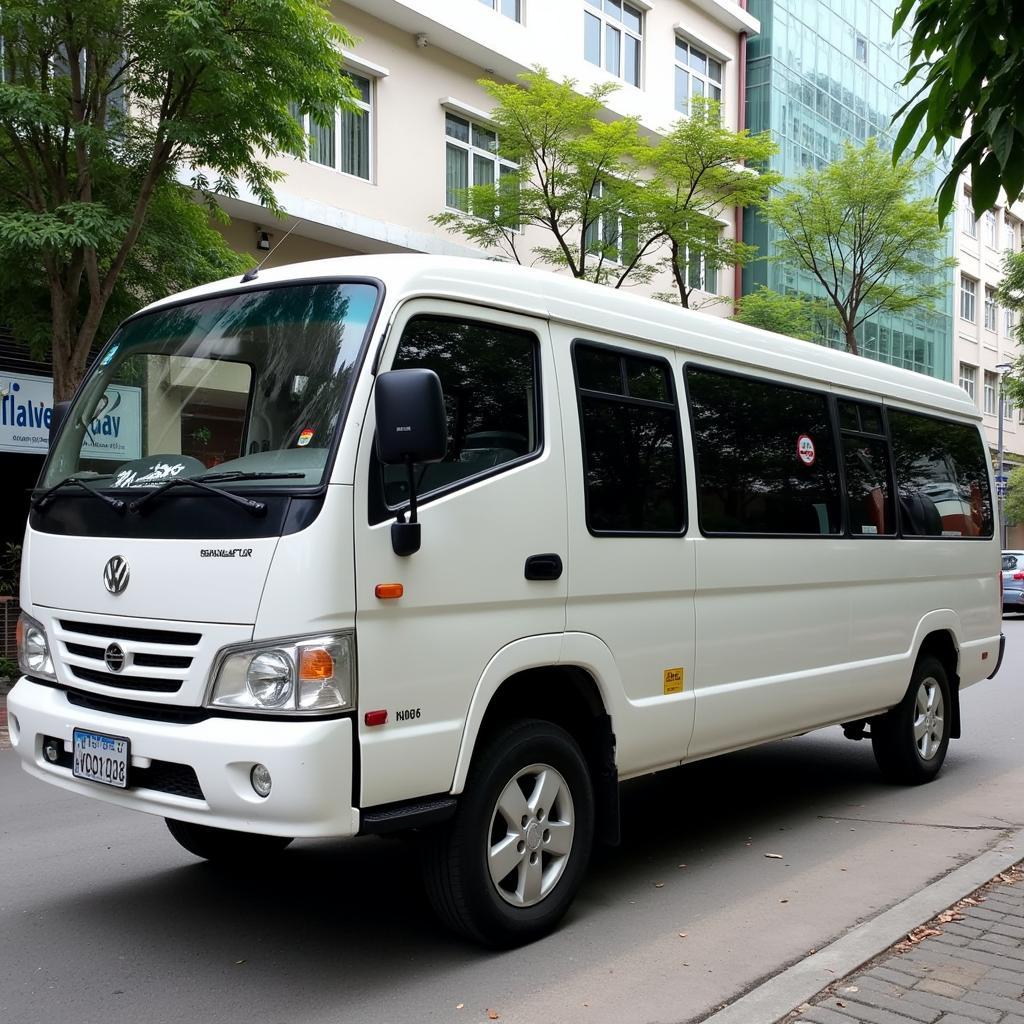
[911, 740]
[505, 870]
[221, 845]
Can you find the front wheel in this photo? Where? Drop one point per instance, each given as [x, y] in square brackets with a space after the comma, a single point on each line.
[910, 741]
[505, 870]
[221, 845]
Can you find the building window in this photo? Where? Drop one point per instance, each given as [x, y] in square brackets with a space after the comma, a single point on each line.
[862, 49]
[510, 8]
[990, 308]
[991, 388]
[968, 379]
[990, 228]
[470, 159]
[1008, 409]
[612, 36]
[1008, 321]
[968, 297]
[969, 224]
[697, 74]
[1009, 234]
[700, 274]
[344, 143]
[611, 235]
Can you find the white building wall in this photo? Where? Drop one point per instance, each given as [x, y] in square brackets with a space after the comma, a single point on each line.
[422, 54]
[979, 347]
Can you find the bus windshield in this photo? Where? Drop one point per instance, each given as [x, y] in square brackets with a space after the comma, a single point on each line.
[246, 386]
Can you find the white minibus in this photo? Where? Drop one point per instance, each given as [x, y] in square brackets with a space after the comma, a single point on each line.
[450, 547]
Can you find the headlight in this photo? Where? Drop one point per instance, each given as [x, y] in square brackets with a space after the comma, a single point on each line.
[296, 676]
[33, 650]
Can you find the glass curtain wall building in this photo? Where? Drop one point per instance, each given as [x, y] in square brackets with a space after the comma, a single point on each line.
[822, 72]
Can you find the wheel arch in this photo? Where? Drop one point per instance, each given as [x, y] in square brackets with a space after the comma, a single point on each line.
[938, 634]
[526, 679]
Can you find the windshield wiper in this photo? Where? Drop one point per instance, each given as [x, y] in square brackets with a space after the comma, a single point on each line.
[42, 500]
[238, 474]
[257, 508]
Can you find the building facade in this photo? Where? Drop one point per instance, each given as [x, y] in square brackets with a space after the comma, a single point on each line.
[820, 74]
[984, 340]
[372, 183]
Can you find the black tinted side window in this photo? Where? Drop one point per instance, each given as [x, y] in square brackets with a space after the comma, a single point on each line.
[489, 377]
[632, 465]
[766, 456]
[866, 464]
[941, 477]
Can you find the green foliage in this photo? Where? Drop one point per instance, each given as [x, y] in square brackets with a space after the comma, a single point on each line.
[610, 200]
[103, 105]
[10, 569]
[1013, 506]
[856, 226]
[967, 60]
[573, 168]
[1010, 295]
[698, 169]
[783, 314]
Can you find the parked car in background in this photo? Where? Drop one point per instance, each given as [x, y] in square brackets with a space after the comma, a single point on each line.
[1013, 581]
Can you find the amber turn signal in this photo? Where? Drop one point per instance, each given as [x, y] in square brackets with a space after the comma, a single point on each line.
[315, 663]
[389, 591]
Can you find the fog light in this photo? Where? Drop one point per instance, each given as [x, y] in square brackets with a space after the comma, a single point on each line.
[260, 779]
[50, 752]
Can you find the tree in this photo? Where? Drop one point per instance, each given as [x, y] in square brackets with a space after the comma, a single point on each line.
[783, 314]
[573, 172]
[1013, 507]
[104, 102]
[856, 226]
[698, 169]
[1010, 295]
[967, 61]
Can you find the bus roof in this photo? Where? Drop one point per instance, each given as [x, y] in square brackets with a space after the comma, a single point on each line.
[598, 308]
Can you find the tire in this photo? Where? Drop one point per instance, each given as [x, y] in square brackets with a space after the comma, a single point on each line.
[221, 845]
[910, 741]
[464, 863]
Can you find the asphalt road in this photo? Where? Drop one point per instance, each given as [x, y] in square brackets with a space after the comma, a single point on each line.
[104, 919]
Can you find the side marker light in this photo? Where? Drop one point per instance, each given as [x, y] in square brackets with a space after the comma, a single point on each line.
[376, 718]
[388, 591]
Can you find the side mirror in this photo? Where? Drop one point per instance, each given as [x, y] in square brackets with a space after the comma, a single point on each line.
[58, 414]
[411, 428]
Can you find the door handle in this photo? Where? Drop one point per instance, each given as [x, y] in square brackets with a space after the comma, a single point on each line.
[543, 567]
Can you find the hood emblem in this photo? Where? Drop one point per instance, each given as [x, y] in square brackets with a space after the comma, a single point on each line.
[114, 658]
[115, 575]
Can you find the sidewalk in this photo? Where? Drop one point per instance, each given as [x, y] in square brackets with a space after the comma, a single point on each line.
[966, 966]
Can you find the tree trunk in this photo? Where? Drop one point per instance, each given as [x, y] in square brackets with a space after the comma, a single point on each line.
[851, 340]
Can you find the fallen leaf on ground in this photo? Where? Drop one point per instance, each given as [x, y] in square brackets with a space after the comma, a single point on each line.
[840, 1003]
[922, 933]
[493, 1015]
[774, 856]
[683, 935]
[459, 1006]
[851, 988]
[783, 901]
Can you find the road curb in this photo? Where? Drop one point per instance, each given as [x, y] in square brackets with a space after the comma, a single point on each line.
[773, 999]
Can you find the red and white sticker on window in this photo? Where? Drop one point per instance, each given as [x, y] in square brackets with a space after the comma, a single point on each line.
[805, 450]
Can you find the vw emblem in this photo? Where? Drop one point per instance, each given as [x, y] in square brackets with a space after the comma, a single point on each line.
[115, 575]
[113, 657]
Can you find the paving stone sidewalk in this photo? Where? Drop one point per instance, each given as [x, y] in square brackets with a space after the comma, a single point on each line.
[964, 967]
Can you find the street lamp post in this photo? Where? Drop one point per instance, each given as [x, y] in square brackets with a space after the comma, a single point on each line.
[1001, 480]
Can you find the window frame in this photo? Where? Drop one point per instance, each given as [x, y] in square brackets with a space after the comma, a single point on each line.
[990, 309]
[972, 391]
[307, 125]
[596, 9]
[847, 531]
[496, 7]
[472, 152]
[990, 386]
[991, 229]
[579, 392]
[970, 225]
[709, 82]
[379, 509]
[833, 422]
[972, 295]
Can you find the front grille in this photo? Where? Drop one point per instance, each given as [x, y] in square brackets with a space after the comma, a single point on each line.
[160, 776]
[121, 682]
[137, 708]
[154, 660]
[146, 636]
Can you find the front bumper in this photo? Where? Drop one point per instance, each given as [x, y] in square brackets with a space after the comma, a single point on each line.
[310, 763]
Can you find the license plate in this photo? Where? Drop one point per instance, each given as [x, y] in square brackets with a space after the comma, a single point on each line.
[100, 758]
